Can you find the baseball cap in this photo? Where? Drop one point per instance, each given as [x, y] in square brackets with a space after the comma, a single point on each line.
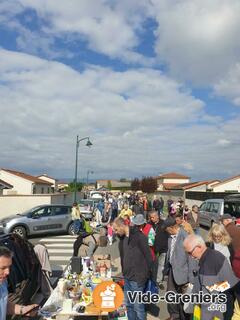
[169, 222]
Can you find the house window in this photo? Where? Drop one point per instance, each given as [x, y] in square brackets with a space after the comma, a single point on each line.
[34, 189]
[42, 190]
[48, 190]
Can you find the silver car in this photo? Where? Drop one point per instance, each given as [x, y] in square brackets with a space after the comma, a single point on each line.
[40, 220]
[211, 210]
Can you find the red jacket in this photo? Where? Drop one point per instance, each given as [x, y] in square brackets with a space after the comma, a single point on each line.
[145, 231]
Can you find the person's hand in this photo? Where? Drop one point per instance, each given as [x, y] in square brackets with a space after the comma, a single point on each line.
[30, 310]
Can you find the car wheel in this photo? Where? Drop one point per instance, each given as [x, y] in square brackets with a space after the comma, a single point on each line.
[20, 230]
[71, 229]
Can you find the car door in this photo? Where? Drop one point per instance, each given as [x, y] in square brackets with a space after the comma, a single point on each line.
[60, 218]
[40, 220]
[214, 212]
[202, 213]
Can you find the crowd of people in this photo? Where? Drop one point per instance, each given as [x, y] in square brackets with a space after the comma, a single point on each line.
[170, 248]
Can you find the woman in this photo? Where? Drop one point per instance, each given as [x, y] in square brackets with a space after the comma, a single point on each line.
[219, 239]
[76, 217]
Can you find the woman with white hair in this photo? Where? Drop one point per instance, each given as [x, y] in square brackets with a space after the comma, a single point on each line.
[219, 239]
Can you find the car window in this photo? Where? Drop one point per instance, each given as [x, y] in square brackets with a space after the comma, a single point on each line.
[214, 207]
[56, 211]
[203, 206]
[208, 205]
[42, 212]
[233, 209]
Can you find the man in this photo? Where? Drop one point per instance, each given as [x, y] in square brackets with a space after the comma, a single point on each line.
[182, 223]
[193, 219]
[178, 266]
[234, 232]
[7, 307]
[160, 247]
[156, 204]
[213, 269]
[147, 229]
[136, 262]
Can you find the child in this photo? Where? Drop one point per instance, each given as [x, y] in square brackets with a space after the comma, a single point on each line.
[110, 233]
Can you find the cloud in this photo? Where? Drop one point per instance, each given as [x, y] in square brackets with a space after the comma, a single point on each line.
[229, 86]
[198, 40]
[140, 121]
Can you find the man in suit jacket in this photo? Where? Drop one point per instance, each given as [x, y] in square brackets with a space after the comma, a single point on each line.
[179, 266]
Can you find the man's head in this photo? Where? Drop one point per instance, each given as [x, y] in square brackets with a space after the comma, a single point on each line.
[195, 246]
[170, 226]
[179, 218]
[120, 227]
[154, 217]
[225, 219]
[5, 263]
[195, 208]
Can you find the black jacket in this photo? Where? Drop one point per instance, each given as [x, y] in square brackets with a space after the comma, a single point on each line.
[161, 238]
[136, 259]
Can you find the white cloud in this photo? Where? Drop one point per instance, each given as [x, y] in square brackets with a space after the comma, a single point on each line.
[198, 39]
[140, 121]
[229, 86]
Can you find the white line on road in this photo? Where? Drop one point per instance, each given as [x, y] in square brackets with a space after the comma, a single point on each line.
[50, 251]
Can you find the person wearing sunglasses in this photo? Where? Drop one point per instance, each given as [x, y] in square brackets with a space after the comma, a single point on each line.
[214, 269]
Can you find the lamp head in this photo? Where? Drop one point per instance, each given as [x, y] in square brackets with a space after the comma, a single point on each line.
[89, 143]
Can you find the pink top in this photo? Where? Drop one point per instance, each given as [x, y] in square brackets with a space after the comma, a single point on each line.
[110, 230]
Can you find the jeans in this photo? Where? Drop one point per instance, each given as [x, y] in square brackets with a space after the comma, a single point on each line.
[135, 311]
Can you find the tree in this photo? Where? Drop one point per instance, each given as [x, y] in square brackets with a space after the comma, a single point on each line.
[136, 184]
[149, 184]
[71, 186]
[109, 185]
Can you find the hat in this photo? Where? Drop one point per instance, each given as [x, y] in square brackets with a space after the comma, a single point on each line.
[138, 220]
[169, 222]
[225, 216]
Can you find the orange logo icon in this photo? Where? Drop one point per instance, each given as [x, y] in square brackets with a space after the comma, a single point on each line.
[108, 296]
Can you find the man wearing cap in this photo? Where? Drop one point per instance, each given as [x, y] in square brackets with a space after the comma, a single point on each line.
[234, 232]
[136, 262]
[146, 229]
[178, 266]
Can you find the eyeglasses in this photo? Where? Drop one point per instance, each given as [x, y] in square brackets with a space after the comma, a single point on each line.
[191, 252]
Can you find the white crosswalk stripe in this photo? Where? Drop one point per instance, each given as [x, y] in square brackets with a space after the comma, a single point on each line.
[60, 249]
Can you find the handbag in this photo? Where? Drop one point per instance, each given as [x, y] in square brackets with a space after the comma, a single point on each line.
[151, 286]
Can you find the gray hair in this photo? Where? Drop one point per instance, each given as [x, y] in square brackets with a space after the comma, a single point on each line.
[195, 240]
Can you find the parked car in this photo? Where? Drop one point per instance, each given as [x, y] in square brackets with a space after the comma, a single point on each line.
[40, 220]
[211, 210]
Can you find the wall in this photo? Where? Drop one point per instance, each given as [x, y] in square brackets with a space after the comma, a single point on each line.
[166, 180]
[228, 186]
[203, 187]
[18, 203]
[45, 187]
[20, 185]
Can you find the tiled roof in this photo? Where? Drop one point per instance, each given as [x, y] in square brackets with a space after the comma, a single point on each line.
[169, 186]
[4, 183]
[27, 176]
[226, 180]
[47, 176]
[172, 175]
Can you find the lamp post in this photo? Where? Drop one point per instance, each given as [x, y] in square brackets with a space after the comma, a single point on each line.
[89, 171]
[88, 144]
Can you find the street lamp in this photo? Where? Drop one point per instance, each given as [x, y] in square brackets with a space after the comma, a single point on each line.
[88, 144]
[89, 171]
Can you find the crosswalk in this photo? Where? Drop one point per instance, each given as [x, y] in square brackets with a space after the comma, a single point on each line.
[60, 249]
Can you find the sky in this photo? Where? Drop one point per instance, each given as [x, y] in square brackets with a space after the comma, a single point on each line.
[155, 84]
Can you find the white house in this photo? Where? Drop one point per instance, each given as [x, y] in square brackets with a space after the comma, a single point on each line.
[230, 184]
[51, 180]
[171, 179]
[23, 183]
[4, 185]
